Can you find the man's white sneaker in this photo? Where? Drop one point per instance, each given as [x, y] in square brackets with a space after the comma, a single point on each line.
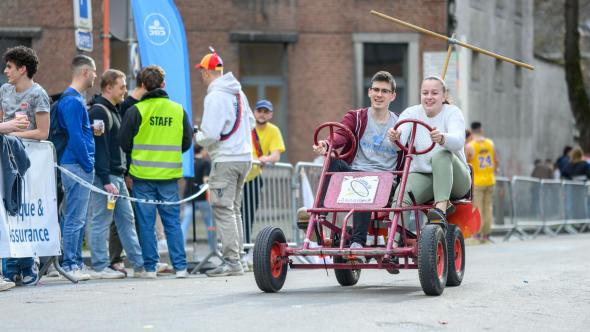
[227, 269]
[78, 274]
[161, 267]
[145, 275]
[106, 273]
[182, 274]
[356, 245]
[5, 284]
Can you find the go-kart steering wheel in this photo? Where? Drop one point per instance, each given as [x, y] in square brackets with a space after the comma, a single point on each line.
[333, 126]
[412, 149]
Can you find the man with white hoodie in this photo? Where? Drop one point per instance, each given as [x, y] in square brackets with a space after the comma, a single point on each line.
[225, 131]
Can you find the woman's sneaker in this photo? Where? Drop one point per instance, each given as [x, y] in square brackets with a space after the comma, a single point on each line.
[437, 216]
[30, 277]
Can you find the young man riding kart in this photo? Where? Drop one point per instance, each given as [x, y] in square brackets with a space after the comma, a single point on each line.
[374, 152]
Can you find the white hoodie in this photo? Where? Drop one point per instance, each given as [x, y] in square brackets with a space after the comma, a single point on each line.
[219, 117]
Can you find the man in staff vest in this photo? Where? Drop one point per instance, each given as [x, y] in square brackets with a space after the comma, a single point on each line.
[481, 155]
[156, 131]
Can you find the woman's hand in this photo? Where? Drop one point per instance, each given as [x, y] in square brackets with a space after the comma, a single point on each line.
[394, 135]
[437, 136]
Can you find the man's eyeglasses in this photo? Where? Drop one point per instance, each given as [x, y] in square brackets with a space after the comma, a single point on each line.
[383, 91]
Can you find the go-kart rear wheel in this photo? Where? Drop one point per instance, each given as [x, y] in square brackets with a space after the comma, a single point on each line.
[346, 277]
[456, 249]
[432, 259]
[270, 268]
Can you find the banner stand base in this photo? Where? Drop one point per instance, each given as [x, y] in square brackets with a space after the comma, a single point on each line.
[54, 260]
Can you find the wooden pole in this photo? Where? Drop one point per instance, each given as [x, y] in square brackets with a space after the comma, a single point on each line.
[453, 41]
[447, 59]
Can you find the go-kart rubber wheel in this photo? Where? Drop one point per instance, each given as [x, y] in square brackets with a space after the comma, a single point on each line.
[456, 249]
[346, 277]
[432, 259]
[270, 268]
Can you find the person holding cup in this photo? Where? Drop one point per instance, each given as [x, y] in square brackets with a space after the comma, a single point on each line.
[110, 168]
[22, 99]
[24, 110]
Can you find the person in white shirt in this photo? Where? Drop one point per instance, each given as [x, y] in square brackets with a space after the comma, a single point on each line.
[441, 174]
[226, 132]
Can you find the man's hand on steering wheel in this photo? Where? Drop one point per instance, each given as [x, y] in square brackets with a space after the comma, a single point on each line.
[394, 135]
[321, 148]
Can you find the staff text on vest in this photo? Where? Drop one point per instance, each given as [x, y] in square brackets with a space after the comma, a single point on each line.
[160, 121]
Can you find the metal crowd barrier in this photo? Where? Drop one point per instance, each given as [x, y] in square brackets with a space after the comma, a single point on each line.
[576, 207]
[503, 208]
[267, 201]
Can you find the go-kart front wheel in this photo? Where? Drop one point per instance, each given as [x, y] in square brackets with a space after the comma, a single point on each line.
[432, 259]
[270, 268]
[346, 277]
[456, 249]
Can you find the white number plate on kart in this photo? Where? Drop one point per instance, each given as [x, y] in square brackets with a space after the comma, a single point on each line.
[358, 190]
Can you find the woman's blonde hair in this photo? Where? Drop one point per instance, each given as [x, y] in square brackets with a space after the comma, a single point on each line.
[576, 155]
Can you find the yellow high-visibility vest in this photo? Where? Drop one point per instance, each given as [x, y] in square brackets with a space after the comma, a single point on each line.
[157, 147]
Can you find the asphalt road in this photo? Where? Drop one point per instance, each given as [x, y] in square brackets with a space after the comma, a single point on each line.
[534, 285]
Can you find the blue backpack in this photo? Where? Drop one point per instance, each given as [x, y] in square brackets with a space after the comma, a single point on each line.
[57, 134]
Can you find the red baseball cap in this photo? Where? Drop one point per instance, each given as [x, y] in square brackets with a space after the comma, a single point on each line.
[211, 61]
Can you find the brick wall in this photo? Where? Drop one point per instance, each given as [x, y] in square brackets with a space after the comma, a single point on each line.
[320, 63]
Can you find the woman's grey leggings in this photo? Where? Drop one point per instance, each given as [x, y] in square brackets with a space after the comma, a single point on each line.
[449, 180]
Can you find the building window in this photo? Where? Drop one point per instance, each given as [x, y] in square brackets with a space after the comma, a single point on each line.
[6, 43]
[500, 6]
[518, 8]
[392, 58]
[397, 53]
[498, 76]
[475, 67]
[263, 73]
[518, 77]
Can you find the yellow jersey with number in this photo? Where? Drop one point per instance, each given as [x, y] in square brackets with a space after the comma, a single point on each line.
[483, 162]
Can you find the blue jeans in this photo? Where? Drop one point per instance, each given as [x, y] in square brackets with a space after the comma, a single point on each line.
[100, 219]
[76, 206]
[170, 214]
[16, 266]
[207, 215]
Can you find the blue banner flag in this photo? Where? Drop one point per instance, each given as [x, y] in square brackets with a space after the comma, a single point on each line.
[162, 42]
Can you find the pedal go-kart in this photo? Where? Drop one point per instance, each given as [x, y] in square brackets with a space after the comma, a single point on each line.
[439, 256]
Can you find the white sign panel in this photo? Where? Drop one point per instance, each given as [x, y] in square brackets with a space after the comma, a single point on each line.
[34, 231]
[358, 190]
[83, 14]
[84, 40]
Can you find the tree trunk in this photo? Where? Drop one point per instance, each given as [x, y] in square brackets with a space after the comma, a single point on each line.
[578, 97]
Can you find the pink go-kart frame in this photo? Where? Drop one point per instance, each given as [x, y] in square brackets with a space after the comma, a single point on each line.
[437, 253]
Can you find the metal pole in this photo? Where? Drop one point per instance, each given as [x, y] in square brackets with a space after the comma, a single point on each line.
[452, 40]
